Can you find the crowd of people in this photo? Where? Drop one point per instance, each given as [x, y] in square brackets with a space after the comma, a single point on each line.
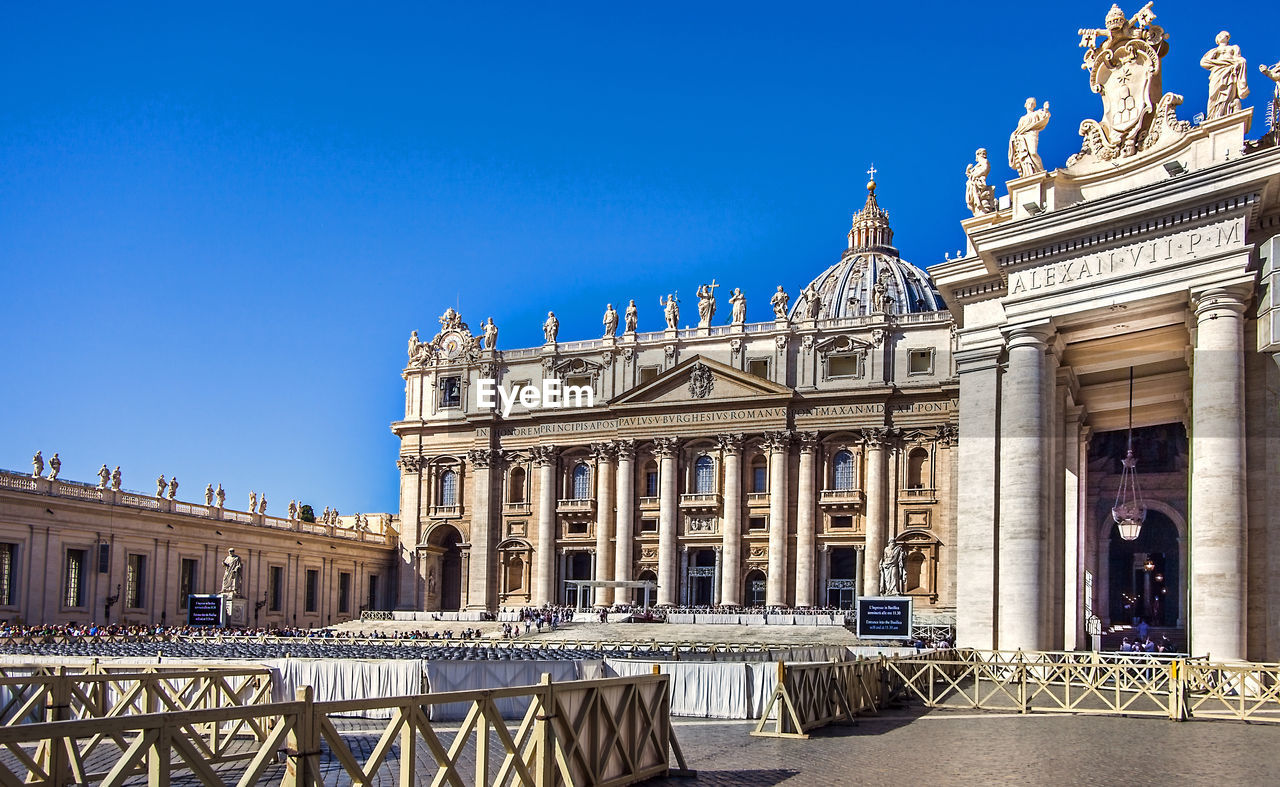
[92, 630]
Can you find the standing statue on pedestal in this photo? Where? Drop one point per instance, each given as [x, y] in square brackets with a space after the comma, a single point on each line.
[1228, 78]
[706, 304]
[610, 321]
[222, 497]
[1024, 142]
[116, 478]
[253, 502]
[738, 301]
[980, 197]
[414, 344]
[779, 303]
[173, 488]
[232, 571]
[880, 293]
[632, 316]
[812, 301]
[104, 475]
[892, 570]
[37, 465]
[55, 466]
[1273, 109]
[551, 328]
[671, 311]
[293, 510]
[262, 504]
[208, 494]
[160, 485]
[490, 335]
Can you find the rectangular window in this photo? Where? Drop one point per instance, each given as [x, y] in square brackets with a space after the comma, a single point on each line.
[757, 523]
[188, 575]
[576, 529]
[844, 366]
[344, 592]
[277, 588]
[104, 558]
[451, 392]
[920, 361]
[648, 373]
[759, 479]
[759, 367]
[373, 592]
[8, 579]
[581, 381]
[135, 582]
[313, 590]
[74, 587]
[648, 525]
[842, 522]
[651, 483]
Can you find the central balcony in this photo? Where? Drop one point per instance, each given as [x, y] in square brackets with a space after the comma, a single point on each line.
[700, 501]
[650, 503]
[446, 512]
[517, 508]
[576, 505]
[841, 499]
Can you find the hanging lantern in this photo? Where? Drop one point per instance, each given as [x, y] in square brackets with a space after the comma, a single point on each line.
[1129, 512]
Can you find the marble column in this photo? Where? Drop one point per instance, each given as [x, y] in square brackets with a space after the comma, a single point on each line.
[1025, 435]
[979, 372]
[731, 521]
[778, 445]
[806, 519]
[408, 576]
[544, 458]
[715, 579]
[605, 488]
[1218, 504]
[1073, 623]
[481, 578]
[625, 519]
[877, 514]
[824, 573]
[665, 449]
[684, 575]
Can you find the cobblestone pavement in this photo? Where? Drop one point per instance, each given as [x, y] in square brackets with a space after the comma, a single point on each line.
[911, 747]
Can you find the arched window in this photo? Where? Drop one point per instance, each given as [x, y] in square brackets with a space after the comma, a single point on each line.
[515, 485]
[759, 475]
[704, 475]
[842, 470]
[581, 481]
[448, 488]
[917, 468]
[651, 479]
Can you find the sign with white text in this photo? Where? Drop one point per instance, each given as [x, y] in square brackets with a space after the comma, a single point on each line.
[884, 617]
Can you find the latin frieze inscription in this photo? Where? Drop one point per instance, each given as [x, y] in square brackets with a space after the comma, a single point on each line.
[1090, 268]
[643, 421]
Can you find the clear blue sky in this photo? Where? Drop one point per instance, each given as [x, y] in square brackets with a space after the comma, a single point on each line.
[218, 225]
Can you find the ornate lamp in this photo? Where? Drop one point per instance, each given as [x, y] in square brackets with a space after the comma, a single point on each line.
[1129, 512]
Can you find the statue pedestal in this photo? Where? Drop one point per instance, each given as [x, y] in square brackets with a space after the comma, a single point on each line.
[235, 611]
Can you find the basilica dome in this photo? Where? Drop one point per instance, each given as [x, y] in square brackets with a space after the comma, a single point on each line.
[870, 277]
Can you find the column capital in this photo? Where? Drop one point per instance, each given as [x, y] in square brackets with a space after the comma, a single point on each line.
[947, 434]
[482, 458]
[544, 454]
[1037, 336]
[603, 452]
[1214, 302]
[625, 449]
[665, 447]
[977, 359]
[879, 437]
[808, 441]
[777, 442]
[730, 443]
[410, 464]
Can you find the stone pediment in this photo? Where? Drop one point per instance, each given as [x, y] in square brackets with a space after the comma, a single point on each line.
[697, 380]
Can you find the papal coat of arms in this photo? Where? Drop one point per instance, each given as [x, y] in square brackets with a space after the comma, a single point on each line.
[701, 381]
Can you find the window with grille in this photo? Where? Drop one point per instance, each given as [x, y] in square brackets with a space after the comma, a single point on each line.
[8, 563]
[448, 488]
[313, 589]
[704, 475]
[581, 481]
[73, 595]
[187, 574]
[135, 582]
[344, 592]
[842, 470]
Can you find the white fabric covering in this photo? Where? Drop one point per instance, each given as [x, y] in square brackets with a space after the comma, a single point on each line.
[334, 680]
[467, 675]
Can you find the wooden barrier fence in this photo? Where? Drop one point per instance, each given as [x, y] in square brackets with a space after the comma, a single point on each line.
[607, 732]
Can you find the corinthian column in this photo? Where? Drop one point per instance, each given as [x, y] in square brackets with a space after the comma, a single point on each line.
[777, 444]
[604, 453]
[806, 524]
[1024, 442]
[626, 482]
[731, 522]
[1218, 503]
[877, 514]
[483, 558]
[544, 457]
[668, 504]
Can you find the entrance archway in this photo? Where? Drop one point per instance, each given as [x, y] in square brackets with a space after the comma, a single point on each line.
[577, 565]
[1145, 575]
[753, 589]
[638, 596]
[702, 576]
[842, 586]
[444, 568]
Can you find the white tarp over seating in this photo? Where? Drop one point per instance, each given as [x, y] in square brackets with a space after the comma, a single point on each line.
[462, 675]
[343, 679]
[701, 689]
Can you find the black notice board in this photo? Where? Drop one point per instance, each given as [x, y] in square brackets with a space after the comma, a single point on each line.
[884, 617]
[204, 610]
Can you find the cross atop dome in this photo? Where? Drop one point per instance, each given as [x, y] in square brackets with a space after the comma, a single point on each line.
[871, 224]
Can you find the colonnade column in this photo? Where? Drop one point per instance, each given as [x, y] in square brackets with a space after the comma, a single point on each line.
[877, 519]
[626, 482]
[409, 577]
[668, 496]
[731, 521]
[1024, 438]
[605, 483]
[482, 542]
[778, 446]
[805, 520]
[979, 372]
[1218, 503]
[544, 457]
